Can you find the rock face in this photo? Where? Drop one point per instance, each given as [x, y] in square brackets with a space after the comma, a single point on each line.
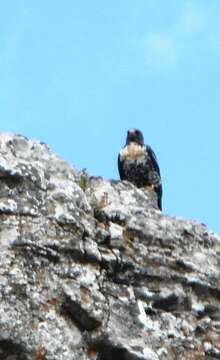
[90, 269]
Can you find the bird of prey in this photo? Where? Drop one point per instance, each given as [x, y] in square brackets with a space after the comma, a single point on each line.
[137, 163]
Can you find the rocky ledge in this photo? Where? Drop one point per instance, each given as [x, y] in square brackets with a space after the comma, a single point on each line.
[91, 269]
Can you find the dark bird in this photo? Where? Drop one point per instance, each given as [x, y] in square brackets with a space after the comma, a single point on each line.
[137, 163]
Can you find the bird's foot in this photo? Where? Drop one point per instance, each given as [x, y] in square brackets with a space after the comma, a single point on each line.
[150, 187]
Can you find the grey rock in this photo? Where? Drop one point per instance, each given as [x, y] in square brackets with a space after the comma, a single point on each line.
[91, 269]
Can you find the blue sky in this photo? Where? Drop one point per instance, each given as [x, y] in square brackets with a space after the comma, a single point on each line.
[78, 74]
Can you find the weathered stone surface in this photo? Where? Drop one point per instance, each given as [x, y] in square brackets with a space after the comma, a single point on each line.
[90, 269]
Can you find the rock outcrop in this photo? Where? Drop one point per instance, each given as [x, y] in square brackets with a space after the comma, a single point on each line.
[91, 269]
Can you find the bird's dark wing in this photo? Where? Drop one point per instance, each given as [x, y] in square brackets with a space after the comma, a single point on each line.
[120, 169]
[153, 158]
[158, 189]
[159, 192]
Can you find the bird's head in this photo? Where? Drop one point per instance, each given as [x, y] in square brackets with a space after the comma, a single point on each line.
[136, 136]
